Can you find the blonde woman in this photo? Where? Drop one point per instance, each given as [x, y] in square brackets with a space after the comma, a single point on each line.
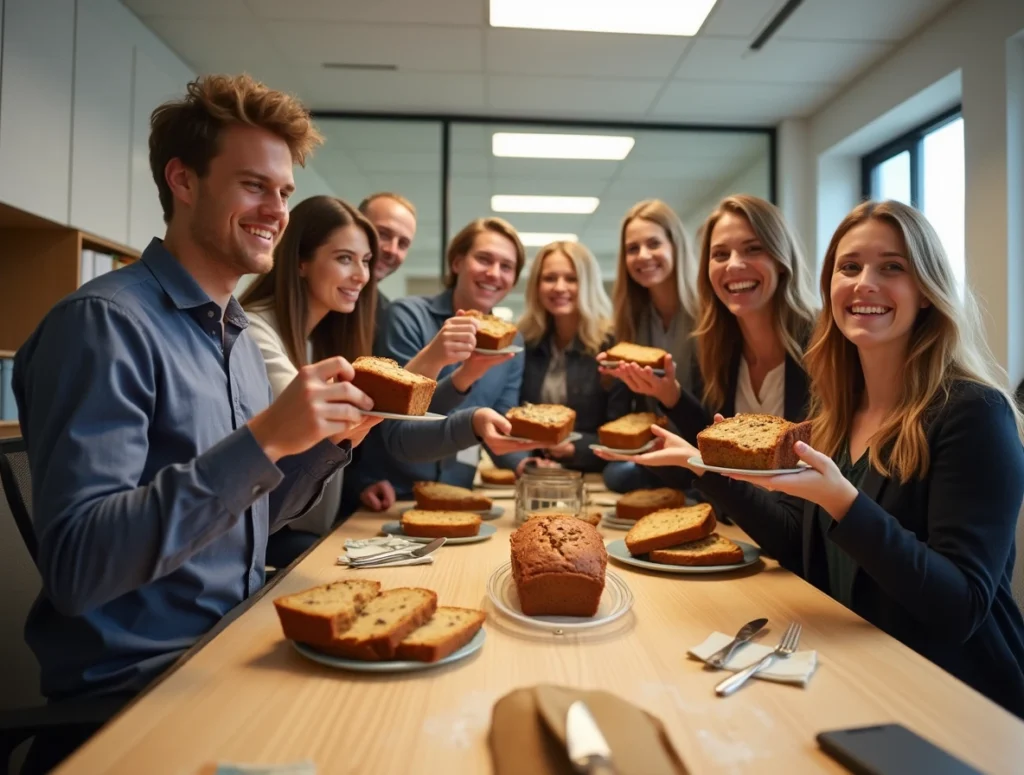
[908, 509]
[757, 311]
[567, 322]
[656, 305]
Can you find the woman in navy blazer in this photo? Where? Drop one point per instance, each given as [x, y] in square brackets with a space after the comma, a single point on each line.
[908, 512]
[566, 323]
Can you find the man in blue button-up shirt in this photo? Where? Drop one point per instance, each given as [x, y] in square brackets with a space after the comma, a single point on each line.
[159, 465]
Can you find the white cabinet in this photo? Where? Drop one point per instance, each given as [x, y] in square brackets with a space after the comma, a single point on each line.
[101, 125]
[35, 105]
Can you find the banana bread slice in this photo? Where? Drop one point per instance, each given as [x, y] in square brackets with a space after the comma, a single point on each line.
[392, 388]
[638, 354]
[497, 476]
[670, 527]
[546, 423]
[630, 431]
[440, 524]
[753, 442]
[494, 333]
[558, 566]
[640, 503]
[319, 615]
[710, 550]
[436, 496]
[448, 630]
[384, 623]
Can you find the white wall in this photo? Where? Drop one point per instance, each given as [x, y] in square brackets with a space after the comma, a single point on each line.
[751, 180]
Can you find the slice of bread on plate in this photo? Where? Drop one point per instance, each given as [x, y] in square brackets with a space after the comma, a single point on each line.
[752, 442]
[640, 503]
[449, 629]
[630, 431]
[384, 623]
[436, 496]
[670, 527]
[500, 476]
[319, 615]
[546, 423]
[392, 388]
[710, 550]
[421, 523]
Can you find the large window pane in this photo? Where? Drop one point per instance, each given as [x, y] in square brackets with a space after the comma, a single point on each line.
[892, 178]
[943, 195]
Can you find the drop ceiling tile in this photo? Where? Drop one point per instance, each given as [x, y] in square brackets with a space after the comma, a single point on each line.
[425, 92]
[221, 46]
[878, 20]
[434, 12]
[572, 96]
[739, 103]
[744, 18]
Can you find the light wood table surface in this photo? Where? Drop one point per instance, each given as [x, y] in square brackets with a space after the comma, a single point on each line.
[248, 696]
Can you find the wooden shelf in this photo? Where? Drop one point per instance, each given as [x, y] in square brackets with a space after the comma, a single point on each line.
[9, 428]
[92, 242]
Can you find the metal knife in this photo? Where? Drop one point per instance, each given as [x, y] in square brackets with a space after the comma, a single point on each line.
[717, 660]
[588, 750]
[419, 551]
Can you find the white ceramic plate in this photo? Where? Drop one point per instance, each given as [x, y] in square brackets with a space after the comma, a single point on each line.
[638, 451]
[428, 417]
[616, 600]
[514, 349]
[393, 666]
[696, 461]
[617, 550]
[617, 524]
[574, 436]
[614, 364]
[493, 513]
[395, 529]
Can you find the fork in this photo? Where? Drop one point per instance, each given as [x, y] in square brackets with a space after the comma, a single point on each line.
[787, 646]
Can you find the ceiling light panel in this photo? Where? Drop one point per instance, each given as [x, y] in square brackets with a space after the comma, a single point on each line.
[525, 145]
[577, 205]
[636, 17]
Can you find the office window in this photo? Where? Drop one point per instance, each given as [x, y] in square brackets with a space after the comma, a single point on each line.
[925, 168]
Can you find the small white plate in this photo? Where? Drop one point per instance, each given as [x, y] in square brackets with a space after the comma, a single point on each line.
[574, 436]
[638, 451]
[393, 666]
[618, 551]
[513, 349]
[615, 601]
[395, 529]
[614, 525]
[615, 364]
[493, 513]
[428, 417]
[696, 461]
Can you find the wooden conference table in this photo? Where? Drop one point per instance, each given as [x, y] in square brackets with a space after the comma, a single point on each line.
[246, 695]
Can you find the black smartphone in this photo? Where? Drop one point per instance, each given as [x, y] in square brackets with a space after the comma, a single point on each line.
[889, 749]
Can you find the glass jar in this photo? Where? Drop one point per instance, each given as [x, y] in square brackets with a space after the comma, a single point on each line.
[554, 489]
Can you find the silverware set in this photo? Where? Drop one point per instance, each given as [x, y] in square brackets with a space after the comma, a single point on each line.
[787, 646]
[397, 554]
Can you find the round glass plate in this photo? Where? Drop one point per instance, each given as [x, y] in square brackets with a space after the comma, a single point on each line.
[696, 461]
[392, 666]
[513, 349]
[574, 436]
[610, 364]
[428, 417]
[618, 551]
[395, 529]
[616, 600]
[492, 513]
[614, 451]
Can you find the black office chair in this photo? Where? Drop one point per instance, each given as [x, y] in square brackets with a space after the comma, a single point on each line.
[19, 724]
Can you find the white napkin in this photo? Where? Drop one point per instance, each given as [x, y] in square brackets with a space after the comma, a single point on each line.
[370, 547]
[794, 669]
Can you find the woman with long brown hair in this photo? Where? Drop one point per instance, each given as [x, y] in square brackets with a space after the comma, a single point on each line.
[318, 301]
[907, 510]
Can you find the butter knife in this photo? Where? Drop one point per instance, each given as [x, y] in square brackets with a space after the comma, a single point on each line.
[588, 750]
[717, 660]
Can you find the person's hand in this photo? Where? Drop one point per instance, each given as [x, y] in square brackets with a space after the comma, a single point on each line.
[320, 403]
[821, 483]
[475, 367]
[562, 451]
[671, 450]
[540, 462]
[493, 430]
[643, 381]
[358, 433]
[379, 496]
[455, 341]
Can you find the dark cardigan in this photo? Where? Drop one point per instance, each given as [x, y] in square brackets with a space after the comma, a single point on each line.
[935, 554]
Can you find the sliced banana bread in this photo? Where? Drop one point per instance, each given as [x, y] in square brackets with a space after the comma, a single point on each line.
[392, 388]
[670, 527]
[435, 496]
[440, 524]
[547, 423]
[638, 354]
[710, 550]
[384, 623]
[640, 503]
[631, 431]
[497, 476]
[319, 615]
[494, 333]
[752, 441]
[447, 631]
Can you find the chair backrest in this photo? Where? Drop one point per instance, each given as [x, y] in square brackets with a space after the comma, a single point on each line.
[16, 483]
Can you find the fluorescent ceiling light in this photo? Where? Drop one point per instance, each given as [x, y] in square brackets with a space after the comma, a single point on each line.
[551, 146]
[582, 205]
[637, 17]
[536, 239]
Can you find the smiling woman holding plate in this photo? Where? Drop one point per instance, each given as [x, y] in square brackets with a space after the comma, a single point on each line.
[908, 508]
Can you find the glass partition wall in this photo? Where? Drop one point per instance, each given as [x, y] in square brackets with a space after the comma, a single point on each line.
[455, 170]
